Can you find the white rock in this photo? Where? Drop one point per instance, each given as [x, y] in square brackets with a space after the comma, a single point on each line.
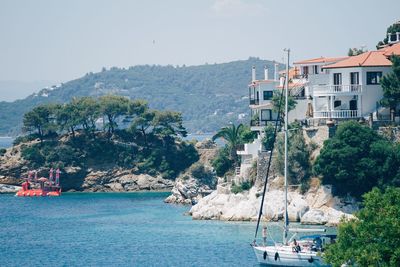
[323, 196]
[223, 189]
[334, 216]
[5, 188]
[314, 216]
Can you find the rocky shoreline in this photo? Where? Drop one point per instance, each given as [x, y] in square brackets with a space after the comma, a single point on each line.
[212, 201]
[101, 179]
[317, 206]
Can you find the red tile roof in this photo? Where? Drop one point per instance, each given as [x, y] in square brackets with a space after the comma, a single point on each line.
[391, 50]
[320, 60]
[367, 59]
[295, 71]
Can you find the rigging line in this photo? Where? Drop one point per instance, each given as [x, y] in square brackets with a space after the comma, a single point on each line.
[278, 118]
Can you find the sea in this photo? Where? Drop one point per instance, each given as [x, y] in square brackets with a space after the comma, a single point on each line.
[6, 142]
[118, 229]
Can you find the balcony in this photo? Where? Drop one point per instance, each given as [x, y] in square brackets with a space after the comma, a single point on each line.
[337, 114]
[350, 89]
[321, 78]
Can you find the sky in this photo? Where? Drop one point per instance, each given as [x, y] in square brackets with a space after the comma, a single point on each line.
[51, 41]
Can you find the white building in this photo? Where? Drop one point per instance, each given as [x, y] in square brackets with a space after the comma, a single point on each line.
[324, 88]
[347, 87]
[261, 110]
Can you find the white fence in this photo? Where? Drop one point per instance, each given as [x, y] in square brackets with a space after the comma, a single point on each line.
[337, 89]
[336, 114]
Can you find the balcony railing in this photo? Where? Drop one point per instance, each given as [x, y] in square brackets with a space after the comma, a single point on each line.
[258, 123]
[336, 114]
[338, 89]
[254, 101]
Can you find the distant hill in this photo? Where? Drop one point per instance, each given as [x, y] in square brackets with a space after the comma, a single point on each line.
[13, 90]
[209, 96]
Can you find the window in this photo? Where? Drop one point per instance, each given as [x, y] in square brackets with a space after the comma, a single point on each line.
[337, 103]
[354, 78]
[337, 82]
[266, 114]
[315, 69]
[374, 77]
[393, 37]
[353, 104]
[337, 78]
[305, 71]
[267, 95]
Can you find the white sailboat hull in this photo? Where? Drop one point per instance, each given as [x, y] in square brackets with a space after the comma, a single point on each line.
[284, 256]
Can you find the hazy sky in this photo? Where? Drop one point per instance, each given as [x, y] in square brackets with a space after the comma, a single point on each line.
[61, 40]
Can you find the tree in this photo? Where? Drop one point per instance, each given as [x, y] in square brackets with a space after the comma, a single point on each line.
[137, 107]
[112, 107]
[222, 162]
[268, 140]
[298, 155]
[356, 159]
[89, 111]
[168, 124]
[391, 30]
[67, 117]
[232, 135]
[247, 135]
[141, 123]
[391, 85]
[39, 119]
[355, 52]
[373, 238]
[278, 100]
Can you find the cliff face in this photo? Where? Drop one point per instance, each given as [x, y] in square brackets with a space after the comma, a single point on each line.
[187, 189]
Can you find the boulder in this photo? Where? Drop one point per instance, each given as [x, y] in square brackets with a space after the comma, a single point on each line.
[322, 197]
[297, 208]
[6, 188]
[334, 216]
[314, 216]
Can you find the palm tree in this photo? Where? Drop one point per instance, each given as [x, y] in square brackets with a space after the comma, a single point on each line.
[232, 135]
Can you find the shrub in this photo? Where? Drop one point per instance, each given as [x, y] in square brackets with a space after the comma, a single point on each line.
[202, 174]
[2, 151]
[32, 154]
[25, 139]
[236, 189]
[356, 159]
[268, 140]
[247, 135]
[241, 187]
[246, 185]
[222, 163]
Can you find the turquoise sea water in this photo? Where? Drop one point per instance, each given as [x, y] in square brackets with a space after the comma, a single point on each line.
[6, 142]
[132, 229]
[117, 229]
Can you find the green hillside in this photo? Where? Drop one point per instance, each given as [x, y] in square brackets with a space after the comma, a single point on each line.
[209, 96]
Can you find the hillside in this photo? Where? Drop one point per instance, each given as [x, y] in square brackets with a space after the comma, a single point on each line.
[209, 96]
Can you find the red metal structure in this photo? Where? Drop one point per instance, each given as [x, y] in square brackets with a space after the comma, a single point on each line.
[41, 187]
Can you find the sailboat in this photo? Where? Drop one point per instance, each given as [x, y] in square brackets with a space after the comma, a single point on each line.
[306, 251]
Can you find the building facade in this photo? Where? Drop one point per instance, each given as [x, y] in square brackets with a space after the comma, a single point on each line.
[347, 87]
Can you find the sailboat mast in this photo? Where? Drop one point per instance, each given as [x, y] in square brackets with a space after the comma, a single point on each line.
[286, 146]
